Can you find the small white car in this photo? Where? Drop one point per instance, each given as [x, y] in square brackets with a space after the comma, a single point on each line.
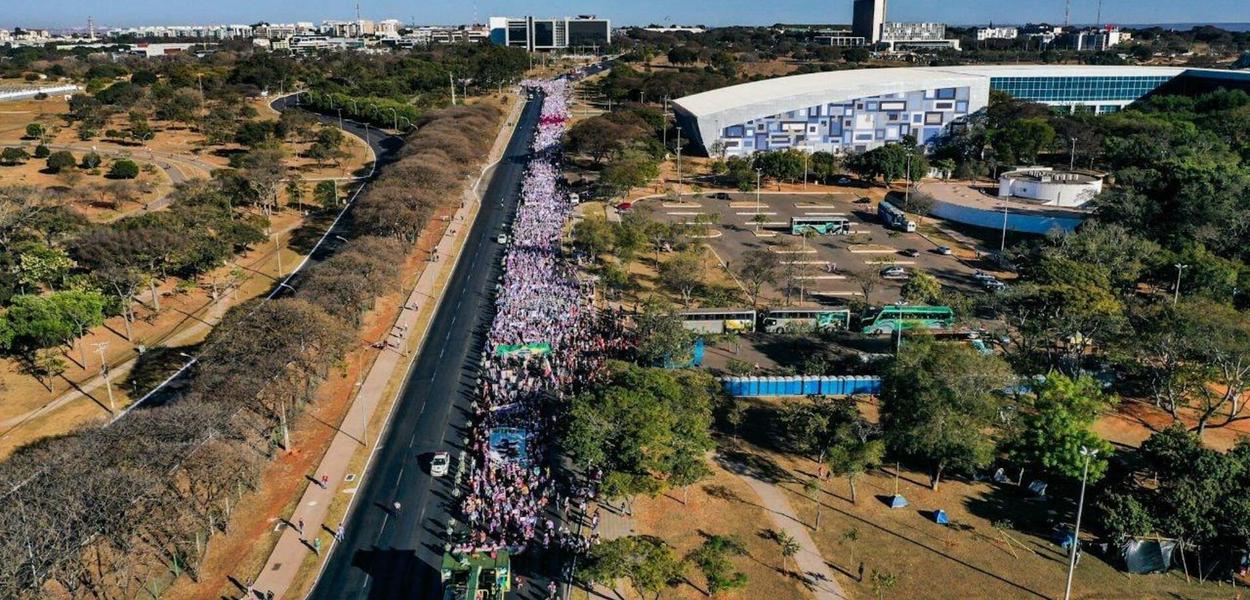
[893, 272]
[501, 238]
[439, 464]
[575, 198]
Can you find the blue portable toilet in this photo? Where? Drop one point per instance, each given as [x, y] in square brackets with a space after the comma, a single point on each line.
[940, 517]
[811, 386]
[898, 501]
[792, 386]
[750, 386]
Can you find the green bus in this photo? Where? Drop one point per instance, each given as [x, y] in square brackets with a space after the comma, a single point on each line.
[891, 318]
[718, 320]
[821, 225]
[782, 320]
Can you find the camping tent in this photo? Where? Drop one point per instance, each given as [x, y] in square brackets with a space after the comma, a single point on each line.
[1148, 556]
[898, 501]
[940, 517]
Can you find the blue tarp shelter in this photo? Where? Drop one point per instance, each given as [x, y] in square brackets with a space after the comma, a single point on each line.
[940, 517]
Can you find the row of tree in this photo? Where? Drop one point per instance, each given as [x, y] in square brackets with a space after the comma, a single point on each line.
[133, 504]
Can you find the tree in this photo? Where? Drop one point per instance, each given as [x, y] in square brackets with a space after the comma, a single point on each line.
[13, 156]
[123, 168]
[868, 279]
[139, 129]
[264, 171]
[61, 160]
[121, 191]
[37, 322]
[938, 402]
[1057, 425]
[683, 273]
[758, 267]
[326, 194]
[647, 428]
[681, 55]
[34, 131]
[630, 169]
[882, 582]
[647, 563]
[661, 336]
[787, 545]
[90, 160]
[1020, 141]
[712, 558]
[40, 266]
[84, 309]
[295, 191]
[42, 151]
[854, 453]
[922, 288]
[593, 235]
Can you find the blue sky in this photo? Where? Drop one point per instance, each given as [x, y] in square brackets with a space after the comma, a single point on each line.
[64, 13]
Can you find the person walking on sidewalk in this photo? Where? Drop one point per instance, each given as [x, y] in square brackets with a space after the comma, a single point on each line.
[398, 507]
[301, 527]
[338, 535]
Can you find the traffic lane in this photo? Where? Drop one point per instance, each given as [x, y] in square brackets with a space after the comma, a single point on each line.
[387, 554]
[384, 145]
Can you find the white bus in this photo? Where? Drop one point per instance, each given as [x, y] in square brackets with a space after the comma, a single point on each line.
[718, 320]
[782, 320]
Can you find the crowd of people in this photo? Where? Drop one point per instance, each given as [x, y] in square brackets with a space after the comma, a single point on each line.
[546, 341]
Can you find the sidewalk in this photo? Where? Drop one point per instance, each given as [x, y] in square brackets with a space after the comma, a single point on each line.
[812, 565]
[285, 559]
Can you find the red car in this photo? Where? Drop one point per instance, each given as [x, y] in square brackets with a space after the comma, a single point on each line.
[624, 206]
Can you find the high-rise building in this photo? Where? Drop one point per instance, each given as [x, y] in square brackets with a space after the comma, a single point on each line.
[582, 32]
[867, 19]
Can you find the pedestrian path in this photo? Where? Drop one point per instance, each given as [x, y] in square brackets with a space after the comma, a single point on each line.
[293, 546]
[811, 563]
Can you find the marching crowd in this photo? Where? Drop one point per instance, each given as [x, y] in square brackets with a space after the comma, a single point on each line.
[546, 341]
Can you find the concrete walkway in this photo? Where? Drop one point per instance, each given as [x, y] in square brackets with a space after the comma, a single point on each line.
[815, 569]
[280, 570]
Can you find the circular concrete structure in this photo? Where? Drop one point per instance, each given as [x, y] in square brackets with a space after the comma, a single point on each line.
[1049, 187]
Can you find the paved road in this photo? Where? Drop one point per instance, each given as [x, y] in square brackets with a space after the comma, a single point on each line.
[387, 555]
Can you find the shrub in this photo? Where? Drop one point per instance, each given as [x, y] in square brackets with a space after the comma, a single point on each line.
[90, 160]
[124, 169]
[13, 156]
[42, 151]
[60, 160]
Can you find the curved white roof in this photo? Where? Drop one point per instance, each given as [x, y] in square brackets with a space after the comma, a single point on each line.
[858, 83]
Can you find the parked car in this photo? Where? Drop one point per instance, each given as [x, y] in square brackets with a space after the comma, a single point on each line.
[720, 196]
[893, 272]
[982, 276]
[624, 206]
[843, 181]
[911, 252]
[439, 464]
[501, 238]
[944, 250]
[993, 285]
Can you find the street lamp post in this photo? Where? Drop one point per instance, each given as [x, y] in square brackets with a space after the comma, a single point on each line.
[1002, 244]
[1076, 532]
[341, 119]
[1176, 292]
[805, 157]
[758, 174]
[898, 328]
[104, 372]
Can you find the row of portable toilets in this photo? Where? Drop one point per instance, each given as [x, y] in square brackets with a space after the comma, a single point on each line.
[842, 385]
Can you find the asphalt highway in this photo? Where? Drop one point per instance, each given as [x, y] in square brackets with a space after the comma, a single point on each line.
[396, 554]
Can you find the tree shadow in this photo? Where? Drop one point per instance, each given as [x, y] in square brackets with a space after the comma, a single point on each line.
[760, 467]
[156, 365]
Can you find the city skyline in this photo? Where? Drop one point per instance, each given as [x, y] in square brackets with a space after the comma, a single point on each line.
[74, 13]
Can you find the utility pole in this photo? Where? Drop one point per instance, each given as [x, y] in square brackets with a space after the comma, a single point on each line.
[758, 174]
[1176, 293]
[664, 116]
[277, 250]
[451, 82]
[806, 155]
[898, 342]
[1002, 245]
[1072, 156]
[341, 120]
[286, 433]
[907, 192]
[104, 372]
[1076, 532]
[678, 164]
[1067, 13]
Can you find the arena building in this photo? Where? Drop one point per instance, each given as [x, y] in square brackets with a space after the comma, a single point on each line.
[856, 110]
[1049, 187]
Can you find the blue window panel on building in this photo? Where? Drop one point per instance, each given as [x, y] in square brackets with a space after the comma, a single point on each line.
[918, 117]
[735, 131]
[961, 106]
[946, 94]
[761, 142]
[871, 107]
[930, 133]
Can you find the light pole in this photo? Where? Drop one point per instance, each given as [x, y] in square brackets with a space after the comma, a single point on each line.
[1002, 245]
[758, 174]
[907, 191]
[1176, 292]
[104, 372]
[1072, 156]
[806, 155]
[341, 119]
[898, 327]
[679, 164]
[1076, 533]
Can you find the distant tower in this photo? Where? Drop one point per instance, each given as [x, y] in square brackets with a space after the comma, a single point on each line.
[868, 18]
[91, 28]
[1067, 13]
[357, 12]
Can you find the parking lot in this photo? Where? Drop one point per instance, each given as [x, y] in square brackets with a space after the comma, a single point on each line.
[824, 265]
